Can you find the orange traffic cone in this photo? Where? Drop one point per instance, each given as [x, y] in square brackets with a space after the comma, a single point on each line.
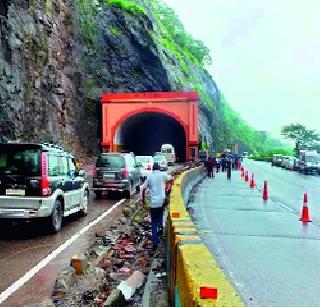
[305, 198]
[252, 183]
[265, 195]
[242, 172]
[305, 210]
[246, 177]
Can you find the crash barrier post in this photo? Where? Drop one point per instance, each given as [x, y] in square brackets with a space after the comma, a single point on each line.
[194, 276]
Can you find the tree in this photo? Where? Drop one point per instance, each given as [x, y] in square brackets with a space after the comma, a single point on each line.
[304, 138]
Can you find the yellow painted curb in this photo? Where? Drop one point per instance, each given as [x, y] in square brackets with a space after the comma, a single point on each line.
[192, 265]
[196, 267]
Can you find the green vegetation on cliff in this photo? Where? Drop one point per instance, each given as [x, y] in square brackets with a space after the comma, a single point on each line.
[150, 29]
[176, 39]
[129, 6]
[192, 53]
[88, 22]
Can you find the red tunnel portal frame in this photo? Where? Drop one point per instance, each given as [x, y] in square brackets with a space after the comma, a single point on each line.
[181, 106]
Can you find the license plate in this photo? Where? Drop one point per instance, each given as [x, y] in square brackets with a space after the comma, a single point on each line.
[15, 192]
[109, 176]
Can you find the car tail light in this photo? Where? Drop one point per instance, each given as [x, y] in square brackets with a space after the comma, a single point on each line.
[44, 183]
[125, 172]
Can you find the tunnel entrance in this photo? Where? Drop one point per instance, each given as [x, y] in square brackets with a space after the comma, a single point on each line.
[142, 122]
[144, 133]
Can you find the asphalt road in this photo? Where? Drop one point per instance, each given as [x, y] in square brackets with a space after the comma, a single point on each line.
[269, 255]
[24, 246]
[287, 187]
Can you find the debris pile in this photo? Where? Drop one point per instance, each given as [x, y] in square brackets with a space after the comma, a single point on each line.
[116, 264]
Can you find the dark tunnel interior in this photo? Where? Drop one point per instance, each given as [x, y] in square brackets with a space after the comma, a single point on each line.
[144, 134]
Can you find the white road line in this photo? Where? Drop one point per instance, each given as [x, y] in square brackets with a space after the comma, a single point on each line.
[28, 275]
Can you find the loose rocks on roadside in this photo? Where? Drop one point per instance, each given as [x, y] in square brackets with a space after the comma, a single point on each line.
[117, 264]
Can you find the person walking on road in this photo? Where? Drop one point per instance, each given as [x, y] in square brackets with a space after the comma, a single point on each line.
[155, 185]
[223, 163]
[209, 167]
[228, 167]
[214, 166]
[218, 160]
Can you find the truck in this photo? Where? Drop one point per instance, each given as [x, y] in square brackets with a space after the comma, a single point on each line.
[168, 151]
[309, 162]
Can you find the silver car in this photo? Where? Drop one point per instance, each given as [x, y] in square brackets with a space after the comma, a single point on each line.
[116, 172]
[162, 161]
[40, 181]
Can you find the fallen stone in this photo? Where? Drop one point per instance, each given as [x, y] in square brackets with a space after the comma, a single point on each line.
[126, 256]
[143, 261]
[104, 263]
[103, 240]
[125, 270]
[127, 212]
[130, 286]
[123, 220]
[116, 299]
[118, 262]
[88, 296]
[129, 248]
[115, 276]
[64, 281]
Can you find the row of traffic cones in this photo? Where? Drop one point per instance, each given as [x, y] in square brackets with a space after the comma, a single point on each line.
[245, 174]
[265, 195]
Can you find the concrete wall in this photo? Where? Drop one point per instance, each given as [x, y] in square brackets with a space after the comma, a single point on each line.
[192, 270]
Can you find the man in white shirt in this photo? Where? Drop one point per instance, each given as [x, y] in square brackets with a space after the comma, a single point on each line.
[155, 184]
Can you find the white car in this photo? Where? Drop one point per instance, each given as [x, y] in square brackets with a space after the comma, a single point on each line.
[146, 165]
[168, 151]
[162, 161]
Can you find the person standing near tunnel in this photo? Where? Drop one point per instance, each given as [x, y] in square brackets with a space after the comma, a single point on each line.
[228, 167]
[155, 184]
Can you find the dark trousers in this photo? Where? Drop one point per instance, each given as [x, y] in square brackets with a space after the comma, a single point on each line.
[156, 224]
[229, 172]
[223, 166]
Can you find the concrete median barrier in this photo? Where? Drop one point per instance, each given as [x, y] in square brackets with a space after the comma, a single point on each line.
[194, 276]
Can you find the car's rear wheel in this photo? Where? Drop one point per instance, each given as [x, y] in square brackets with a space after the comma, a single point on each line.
[98, 194]
[55, 220]
[85, 202]
[128, 193]
[138, 188]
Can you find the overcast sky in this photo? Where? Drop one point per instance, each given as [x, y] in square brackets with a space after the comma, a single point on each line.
[266, 56]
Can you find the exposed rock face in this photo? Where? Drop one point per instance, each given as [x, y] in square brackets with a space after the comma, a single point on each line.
[39, 79]
[58, 57]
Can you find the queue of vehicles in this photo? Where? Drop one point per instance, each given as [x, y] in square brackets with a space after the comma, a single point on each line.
[42, 181]
[308, 162]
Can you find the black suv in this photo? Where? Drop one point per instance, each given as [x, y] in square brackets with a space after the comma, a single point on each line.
[116, 172]
[40, 181]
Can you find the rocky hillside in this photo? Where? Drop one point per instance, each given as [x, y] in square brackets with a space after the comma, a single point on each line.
[58, 56]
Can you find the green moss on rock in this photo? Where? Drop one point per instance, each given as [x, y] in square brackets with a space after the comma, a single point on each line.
[114, 30]
[128, 6]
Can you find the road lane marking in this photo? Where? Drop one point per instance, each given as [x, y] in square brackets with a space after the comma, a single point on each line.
[44, 262]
